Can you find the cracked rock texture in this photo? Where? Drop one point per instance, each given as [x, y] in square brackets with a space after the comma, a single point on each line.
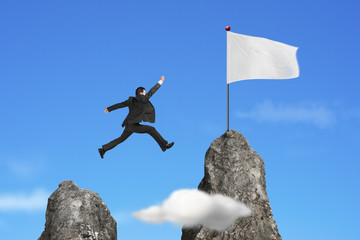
[74, 213]
[234, 169]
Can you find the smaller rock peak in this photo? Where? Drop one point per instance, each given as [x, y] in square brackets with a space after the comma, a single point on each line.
[75, 213]
[68, 184]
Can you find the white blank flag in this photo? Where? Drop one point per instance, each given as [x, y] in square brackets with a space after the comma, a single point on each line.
[259, 58]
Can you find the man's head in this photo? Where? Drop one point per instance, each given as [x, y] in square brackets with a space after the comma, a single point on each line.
[140, 91]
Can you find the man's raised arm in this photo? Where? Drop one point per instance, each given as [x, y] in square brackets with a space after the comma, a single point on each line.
[155, 88]
[116, 106]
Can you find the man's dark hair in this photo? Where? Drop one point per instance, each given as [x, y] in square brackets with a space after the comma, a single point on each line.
[139, 90]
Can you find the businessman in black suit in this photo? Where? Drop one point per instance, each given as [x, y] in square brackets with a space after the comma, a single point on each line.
[140, 110]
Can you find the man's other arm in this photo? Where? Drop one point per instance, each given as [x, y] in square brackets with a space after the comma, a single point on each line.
[155, 88]
[116, 106]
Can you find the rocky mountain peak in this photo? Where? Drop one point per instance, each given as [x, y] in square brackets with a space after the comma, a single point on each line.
[234, 169]
[75, 213]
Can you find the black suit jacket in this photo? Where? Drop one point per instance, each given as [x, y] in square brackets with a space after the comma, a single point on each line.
[140, 108]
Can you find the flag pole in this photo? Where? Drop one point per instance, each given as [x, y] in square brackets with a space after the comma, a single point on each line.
[227, 28]
[227, 107]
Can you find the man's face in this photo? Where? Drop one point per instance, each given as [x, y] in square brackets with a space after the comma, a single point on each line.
[143, 92]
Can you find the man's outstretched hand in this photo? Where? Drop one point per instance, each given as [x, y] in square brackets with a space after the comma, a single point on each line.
[162, 78]
[106, 110]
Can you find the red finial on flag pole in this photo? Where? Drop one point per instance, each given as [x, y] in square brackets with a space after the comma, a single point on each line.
[227, 28]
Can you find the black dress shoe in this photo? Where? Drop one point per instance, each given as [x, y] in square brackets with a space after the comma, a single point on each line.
[102, 152]
[168, 146]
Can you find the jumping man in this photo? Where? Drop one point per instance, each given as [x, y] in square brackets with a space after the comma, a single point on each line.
[140, 110]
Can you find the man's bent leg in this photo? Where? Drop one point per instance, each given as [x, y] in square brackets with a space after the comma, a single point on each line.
[126, 133]
[152, 132]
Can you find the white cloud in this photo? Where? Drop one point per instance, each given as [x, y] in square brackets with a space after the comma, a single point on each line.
[36, 200]
[312, 113]
[190, 207]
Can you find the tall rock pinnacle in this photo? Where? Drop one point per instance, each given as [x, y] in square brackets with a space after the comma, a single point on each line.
[74, 213]
[234, 169]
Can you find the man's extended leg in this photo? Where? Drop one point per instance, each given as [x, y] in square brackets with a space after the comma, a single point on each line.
[152, 132]
[126, 133]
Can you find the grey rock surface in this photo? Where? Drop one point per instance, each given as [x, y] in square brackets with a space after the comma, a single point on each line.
[234, 169]
[74, 213]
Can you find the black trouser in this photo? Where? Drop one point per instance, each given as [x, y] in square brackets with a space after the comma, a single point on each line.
[137, 128]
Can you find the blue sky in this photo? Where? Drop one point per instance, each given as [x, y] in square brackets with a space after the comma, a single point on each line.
[63, 62]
